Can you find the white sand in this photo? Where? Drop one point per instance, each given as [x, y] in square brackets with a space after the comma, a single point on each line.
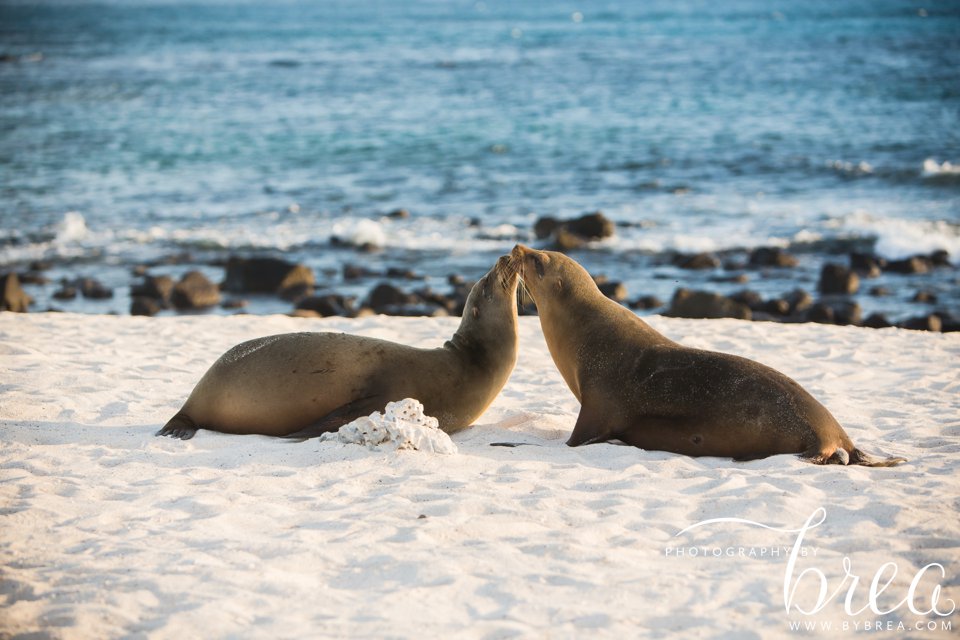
[107, 531]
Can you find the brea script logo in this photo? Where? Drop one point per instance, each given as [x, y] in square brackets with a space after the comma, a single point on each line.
[919, 600]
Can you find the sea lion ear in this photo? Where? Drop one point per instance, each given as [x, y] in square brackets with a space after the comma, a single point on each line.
[559, 285]
[476, 311]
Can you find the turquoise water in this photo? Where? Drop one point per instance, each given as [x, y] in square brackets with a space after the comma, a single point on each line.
[133, 130]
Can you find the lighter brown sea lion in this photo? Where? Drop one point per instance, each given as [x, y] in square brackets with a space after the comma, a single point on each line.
[305, 384]
[642, 388]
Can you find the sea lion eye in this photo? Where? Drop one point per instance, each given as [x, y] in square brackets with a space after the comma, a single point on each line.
[538, 265]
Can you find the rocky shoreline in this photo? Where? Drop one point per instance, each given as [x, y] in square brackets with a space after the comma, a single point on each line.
[400, 291]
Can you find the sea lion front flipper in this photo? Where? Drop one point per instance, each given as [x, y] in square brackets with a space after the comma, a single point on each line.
[340, 416]
[591, 425]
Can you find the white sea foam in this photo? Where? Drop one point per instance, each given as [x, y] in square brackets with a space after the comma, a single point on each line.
[932, 168]
[402, 425]
[898, 238]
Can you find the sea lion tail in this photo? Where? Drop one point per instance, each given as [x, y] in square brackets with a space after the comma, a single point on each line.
[179, 426]
[866, 460]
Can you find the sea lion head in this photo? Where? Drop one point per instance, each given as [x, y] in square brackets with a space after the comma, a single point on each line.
[490, 313]
[549, 275]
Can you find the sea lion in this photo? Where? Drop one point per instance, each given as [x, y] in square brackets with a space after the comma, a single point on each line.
[642, 388]
[305, 384]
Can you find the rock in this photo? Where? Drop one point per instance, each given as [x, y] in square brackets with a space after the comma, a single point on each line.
[195, 291]
[645, 303]
[877, 321]
[867, 265]
[949, 322]
[43, 265]
[837, 279]
[430, 296]
[386, 295]
[592, 226]
[840, 312]
[914, 264]
[304, 313]
[616, 291]
[399, 214]
[772, 257]
[544, 227]
[144, 306]
[821, 313]
[33, 277]
[799, 300]
[775, 307]
[879, 292]
[327, 306]
[234, 303]
[750, 298]
[156, 287]
[940, 258]
[65, 292]
[94, 289]
[703, 304]
[564, 240]
[925, 297]
[268, 275]
[14, 297]
[413, 310]
[356, 272]
[930, 322]
[697, 261]
[405, 274]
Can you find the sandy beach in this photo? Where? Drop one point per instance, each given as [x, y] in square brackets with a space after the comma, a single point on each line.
[107, 531]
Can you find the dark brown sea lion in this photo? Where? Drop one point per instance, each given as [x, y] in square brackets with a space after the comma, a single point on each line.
[305, 384]
[642, 388]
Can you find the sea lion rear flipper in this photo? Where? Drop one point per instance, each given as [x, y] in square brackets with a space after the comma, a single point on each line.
[866, 460]
[179, 426]
[340, 416]
[591, 425]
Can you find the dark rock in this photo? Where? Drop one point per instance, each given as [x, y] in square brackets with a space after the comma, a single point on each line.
[405, 274]
[772, 257]
[356, 272]
[14, 297]
[841, 312]
[414, 310]
[914, 264]
[195, 291]
[65, 292]
[877, 321]
[616, 291]
[140, 270]
[930, 322]
[386, 295]
[703, 304]
[592, 226]
[925, 297]
[94, 289]
[821, 313]
[940, 258]
[33, 277]
[399, 214]
[949, 322]
[739, 278]
[327, 306]
[879, 292]
[455, 280]
[750, 298]
[234, 303]
[268, 275]
[837, 279]
[43, 265]
[866, 264]
[799, 300]
[144, 306]
[564, 240]
[775, 307]
[156, 287]
[697, 261]
[545, 226]
[645, 303]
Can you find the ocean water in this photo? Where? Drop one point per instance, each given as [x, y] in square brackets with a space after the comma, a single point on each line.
[131, 131]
